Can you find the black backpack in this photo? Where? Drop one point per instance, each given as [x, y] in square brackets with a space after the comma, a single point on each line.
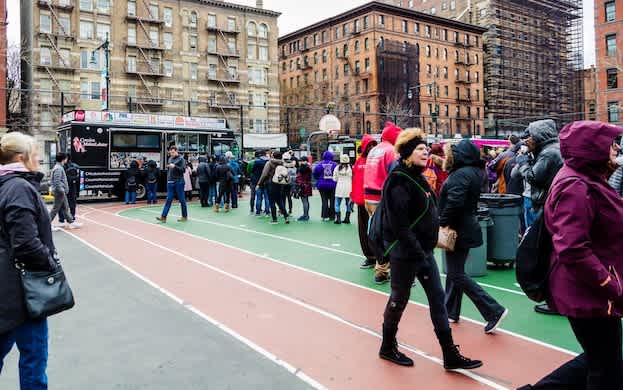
[533, 258]
[375, 229]
[73, 174]
[130, 183]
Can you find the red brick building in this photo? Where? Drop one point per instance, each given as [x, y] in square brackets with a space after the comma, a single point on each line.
[608, 43]
[3, 65]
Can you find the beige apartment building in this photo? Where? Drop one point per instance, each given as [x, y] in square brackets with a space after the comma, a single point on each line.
[186, 57]
[378, 61]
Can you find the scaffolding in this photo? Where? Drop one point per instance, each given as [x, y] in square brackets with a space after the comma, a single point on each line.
[533, 61]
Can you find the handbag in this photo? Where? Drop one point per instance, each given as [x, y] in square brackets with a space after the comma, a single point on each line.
[446, 239]
[45, 292]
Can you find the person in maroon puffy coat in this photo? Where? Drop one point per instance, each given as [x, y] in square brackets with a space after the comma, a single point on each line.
[304, 184]
[583, 214]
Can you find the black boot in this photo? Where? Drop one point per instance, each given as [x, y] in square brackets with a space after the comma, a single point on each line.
[389, 349]
[347, 218]
[338, 218]
[452, 358]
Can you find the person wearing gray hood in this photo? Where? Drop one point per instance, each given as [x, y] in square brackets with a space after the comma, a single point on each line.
[539, 170]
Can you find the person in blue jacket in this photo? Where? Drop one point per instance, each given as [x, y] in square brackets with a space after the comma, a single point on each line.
[323, 173]
[235, 170]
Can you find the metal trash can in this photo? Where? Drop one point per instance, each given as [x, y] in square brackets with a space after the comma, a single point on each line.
[476, 264]
[503, 236]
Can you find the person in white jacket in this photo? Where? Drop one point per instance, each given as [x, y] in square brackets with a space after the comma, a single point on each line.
[343, 176]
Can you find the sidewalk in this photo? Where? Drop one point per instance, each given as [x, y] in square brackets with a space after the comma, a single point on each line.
[124, 334]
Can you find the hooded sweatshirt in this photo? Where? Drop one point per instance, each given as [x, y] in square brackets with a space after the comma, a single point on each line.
[323, 173]
[380, 161]
[359, 170]
[584, 215]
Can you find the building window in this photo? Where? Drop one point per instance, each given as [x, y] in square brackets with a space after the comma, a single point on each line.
[405, 26]
[168, 68]
[251, 51]
[168, 40]
[193, 71]
[65, 23]
[86, 5]
[95, 90]
[45, 23]
[131, 34]
[428, 51]
[86, 30]
[154, 38]
[131, 7]
[212, 20]
[324, 56]
[427, 31]
[193, 19]
[611, 12]
[367, 64]
[131, 64]
[263, 53]
[193, 43]
[592, 111]
[45, 56]
[168, 17]
[153, 11]
[381, 21]
[366, 22]
[357, 48]
[611, 45]
[211, 44]
[103, 31]
[366, 44]
[612, 78]
[251, 29]
[613, 112]
[263, 31]
[231, 24]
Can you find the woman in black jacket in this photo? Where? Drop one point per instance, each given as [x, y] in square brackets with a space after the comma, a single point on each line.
[26, 235]
[458, 206]
[132, 176]
[408, 199]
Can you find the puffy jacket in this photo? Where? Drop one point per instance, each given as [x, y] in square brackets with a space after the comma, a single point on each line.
[58, 179]
[223, 172]
[458, 203]
[323, 173]
[540, 172]
[584, 215]
[304, 179]
[204, 175]
[151, 172]
[380, 161]
[359, 170]
[132, 172]
[404, 202]
[26, 235]
[258, 168]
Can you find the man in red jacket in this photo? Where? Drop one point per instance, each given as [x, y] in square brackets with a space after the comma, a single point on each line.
[367, 143]
[379, 164]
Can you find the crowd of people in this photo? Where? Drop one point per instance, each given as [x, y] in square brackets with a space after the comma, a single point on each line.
[572, 178]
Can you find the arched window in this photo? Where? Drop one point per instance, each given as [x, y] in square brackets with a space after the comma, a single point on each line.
[456, 55]
[345, 50]
[324, 56]
[445, 54]
[427, 50]
[316, 58]
[193, 19]
[476, 58]
[356, 46]
[263, 31]
[251, 29]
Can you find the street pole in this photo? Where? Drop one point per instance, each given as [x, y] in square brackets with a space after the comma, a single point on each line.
[107, 58]
[241, 131]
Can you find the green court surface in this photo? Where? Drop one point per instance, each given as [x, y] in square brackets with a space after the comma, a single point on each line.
[334, 250]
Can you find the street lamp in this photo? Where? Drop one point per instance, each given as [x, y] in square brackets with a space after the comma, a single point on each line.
[106, 46]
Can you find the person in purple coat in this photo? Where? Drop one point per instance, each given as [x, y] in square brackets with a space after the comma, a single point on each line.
[323, 173]
[583, 214]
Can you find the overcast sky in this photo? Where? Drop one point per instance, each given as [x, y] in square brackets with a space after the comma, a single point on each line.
[295, 15]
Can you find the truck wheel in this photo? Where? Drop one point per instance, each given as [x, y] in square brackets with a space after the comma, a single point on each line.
[141, 192]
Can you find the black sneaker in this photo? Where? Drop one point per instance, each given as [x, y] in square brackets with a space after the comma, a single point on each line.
[545, 309]
[395, 356]
[381, 279]
[453, 360]
[495, 323]
[367, 264]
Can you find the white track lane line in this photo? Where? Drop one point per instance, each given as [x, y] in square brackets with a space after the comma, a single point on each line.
[500, 330]
[469, 374]
[317, 246]
[290, 368]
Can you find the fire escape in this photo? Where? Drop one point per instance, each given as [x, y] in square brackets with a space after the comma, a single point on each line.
[57, 64]
[147, 65]
[464, 79]
[224, 78]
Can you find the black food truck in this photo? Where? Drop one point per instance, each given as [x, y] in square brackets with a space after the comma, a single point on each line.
[104, 144]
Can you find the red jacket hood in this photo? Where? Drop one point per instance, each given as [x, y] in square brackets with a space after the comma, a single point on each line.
[365, 142]
[390, 133]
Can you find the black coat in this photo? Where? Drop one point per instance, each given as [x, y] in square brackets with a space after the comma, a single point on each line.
[25, 235]
[224, 173]
[403, 203]
[458, 203]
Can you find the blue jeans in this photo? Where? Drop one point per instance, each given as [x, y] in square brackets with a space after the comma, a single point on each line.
[130, 197]
[338, 205]
[151, 192]
[528, 212]
[234, 195]
[212, 194]
[305, 201]
[175, 189]
[31, 338]
[261, 195]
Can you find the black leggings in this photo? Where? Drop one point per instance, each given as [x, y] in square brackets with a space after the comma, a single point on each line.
[327, 197]
[224, 192]
[362, 225]
[404, 273]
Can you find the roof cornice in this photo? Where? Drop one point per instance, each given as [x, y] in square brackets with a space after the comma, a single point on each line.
[238, 7]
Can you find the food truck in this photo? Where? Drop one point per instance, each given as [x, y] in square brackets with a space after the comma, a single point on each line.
[103, 144]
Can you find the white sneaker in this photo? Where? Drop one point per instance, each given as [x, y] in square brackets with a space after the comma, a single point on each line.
[55, 228]
[75, 225]
[61, 225]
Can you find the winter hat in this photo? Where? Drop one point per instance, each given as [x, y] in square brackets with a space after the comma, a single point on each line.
[390, 133]
[407, 141]
[229, 155]
[287, 156]
[344, 159]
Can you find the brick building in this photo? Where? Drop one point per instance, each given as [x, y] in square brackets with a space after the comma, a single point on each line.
[3, 66]
[192, 57]
[376, 62]
[533, 55]
[608, 41]
[590, 93]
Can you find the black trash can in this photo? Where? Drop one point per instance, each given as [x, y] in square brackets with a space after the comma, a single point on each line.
[503, 236]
